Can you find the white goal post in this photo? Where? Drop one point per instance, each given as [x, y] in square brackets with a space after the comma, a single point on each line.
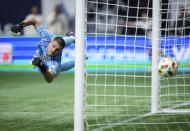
[155, 56]
[119, 86]
[79, 66]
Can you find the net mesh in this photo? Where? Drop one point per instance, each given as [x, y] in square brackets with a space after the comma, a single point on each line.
[118, 69]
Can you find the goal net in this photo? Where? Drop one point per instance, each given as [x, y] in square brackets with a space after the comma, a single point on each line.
[124, 41]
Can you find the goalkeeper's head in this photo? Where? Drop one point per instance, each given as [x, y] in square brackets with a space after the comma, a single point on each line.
[56, 46]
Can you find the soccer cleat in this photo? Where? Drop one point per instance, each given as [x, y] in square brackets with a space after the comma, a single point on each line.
[71, 34]
[86, 57]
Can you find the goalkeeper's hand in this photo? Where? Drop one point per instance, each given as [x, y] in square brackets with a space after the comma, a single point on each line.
[17, 29]
[38, 62]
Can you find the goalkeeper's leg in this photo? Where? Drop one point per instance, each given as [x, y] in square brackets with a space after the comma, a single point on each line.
[70, 38]
[67, 65]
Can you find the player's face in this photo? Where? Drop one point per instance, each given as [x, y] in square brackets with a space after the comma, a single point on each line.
[54, 48]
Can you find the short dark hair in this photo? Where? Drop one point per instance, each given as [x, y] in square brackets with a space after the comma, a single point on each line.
[60, 41]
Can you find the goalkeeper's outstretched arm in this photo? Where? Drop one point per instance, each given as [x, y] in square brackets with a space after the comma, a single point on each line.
[17, 29]
[32, 21]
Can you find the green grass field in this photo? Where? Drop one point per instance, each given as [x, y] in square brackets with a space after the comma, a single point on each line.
[118, 105]
[28, 103]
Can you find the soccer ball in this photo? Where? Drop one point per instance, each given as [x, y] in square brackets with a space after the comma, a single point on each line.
[167, 67]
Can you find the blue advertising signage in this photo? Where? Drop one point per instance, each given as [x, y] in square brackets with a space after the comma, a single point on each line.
[110, 54]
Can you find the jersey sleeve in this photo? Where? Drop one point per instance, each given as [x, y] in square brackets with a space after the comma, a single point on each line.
[45, 34]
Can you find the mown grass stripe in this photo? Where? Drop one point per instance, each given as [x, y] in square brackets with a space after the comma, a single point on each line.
[16, 66]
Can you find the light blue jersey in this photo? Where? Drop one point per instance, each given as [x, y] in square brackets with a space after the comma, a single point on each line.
[53, 62]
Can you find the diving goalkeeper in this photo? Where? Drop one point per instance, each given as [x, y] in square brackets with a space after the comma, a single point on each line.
[48, 55]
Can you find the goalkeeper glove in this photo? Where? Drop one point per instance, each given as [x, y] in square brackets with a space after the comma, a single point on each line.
[38, 62]
[17, 29]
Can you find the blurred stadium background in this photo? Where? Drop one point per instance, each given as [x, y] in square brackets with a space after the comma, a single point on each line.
[28, 103]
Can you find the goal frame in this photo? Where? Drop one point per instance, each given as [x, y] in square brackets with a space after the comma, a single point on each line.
[155, 92]
[155, 56]
[80, 67]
